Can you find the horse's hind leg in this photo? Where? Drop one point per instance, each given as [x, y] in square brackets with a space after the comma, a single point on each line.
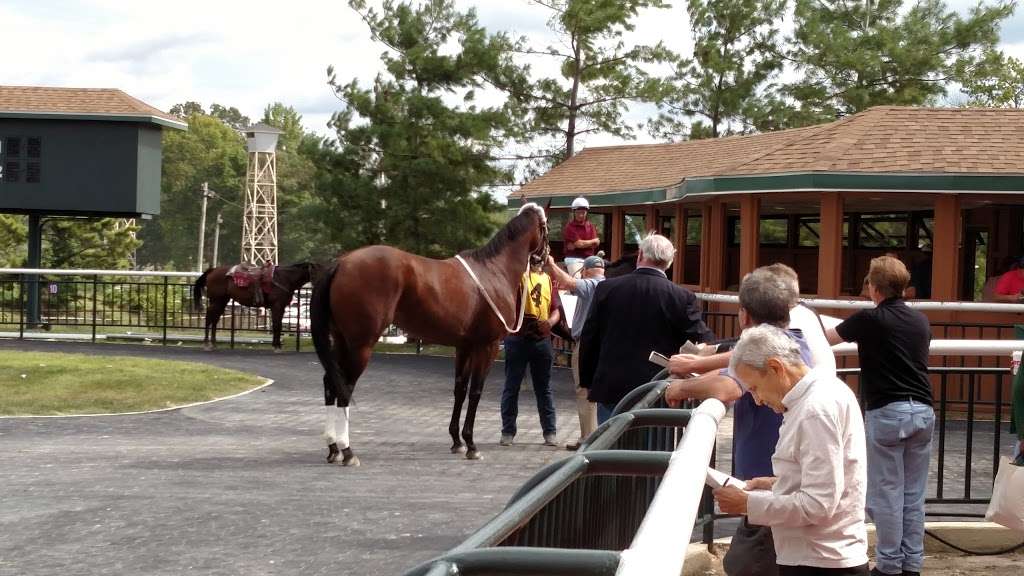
[480, 365]
[462, 365]
[214, 310]
[352, 363]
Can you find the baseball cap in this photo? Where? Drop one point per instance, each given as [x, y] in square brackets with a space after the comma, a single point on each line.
[593, 262]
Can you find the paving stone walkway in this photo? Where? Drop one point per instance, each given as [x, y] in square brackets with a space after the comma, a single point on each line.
[241, 487]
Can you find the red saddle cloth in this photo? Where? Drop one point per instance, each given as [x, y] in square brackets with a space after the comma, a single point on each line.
[244, 276]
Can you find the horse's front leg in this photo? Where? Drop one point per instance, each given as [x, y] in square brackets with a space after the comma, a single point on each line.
[276, 315]
[481, 366]
[461, 382]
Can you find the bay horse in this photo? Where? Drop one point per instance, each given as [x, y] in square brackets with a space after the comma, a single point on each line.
[221, 288]
[439, 301]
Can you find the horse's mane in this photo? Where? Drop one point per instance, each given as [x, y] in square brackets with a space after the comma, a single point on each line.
[516, 227]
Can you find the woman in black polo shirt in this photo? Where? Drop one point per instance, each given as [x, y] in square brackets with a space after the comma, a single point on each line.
[892, 344]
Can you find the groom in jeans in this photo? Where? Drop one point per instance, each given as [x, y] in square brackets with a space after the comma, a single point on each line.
[892, 344]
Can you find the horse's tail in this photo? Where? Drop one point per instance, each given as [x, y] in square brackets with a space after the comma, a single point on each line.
[197, 289]
[320, 329]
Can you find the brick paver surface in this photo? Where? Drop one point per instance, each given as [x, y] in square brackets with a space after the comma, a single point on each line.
[241, 487]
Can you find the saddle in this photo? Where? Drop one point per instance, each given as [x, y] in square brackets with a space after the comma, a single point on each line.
[261, 279]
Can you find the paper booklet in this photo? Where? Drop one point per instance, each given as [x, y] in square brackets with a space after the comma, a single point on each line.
[717, 479]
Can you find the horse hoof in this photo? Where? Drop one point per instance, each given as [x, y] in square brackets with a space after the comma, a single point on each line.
[458, 449]
[474, 455]
[278, 350]
[332, 453]
[207, 347]
[349, 459]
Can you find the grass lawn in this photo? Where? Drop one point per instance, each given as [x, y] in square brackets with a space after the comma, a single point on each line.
[43, 383]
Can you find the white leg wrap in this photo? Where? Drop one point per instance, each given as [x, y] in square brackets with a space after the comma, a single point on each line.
[329, 432]
[342, 428]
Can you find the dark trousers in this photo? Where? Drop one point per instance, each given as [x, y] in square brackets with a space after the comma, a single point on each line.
[522, 353]
[812, 570]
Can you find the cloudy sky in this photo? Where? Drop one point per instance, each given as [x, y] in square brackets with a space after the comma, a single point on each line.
[249, 54]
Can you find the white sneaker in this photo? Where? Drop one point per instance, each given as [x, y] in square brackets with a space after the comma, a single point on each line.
[506, 440]
[549, 440]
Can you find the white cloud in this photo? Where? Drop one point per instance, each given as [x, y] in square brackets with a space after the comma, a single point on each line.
[254, 53]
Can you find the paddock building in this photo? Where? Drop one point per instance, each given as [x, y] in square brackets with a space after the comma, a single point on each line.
[941, 188]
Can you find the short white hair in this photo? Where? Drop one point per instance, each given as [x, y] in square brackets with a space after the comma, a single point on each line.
[658, 250]
[759, 343]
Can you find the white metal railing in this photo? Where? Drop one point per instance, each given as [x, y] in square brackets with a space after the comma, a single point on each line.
[850, 304]
[659, 547]
[952, 348]
[91, 272]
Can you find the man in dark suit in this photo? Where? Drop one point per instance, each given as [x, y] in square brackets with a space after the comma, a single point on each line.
[632, 316]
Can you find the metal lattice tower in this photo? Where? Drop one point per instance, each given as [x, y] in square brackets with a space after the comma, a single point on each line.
[259, 222]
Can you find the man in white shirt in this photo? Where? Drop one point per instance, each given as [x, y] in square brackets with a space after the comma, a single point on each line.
[815, 502]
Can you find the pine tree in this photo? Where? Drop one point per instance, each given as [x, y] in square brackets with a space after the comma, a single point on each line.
[737, 51]
[422, 160]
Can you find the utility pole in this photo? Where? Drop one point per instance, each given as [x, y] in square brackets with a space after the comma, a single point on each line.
[202, 226]
[216, 238]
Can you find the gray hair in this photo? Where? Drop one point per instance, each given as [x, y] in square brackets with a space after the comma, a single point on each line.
[658, 250]
[760, 343]
[768, 296]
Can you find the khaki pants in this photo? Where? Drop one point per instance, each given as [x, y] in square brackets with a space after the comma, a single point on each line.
[586, 409]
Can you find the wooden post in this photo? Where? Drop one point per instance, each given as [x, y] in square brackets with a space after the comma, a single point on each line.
[750, 233]
[946, 248]
[618, 234]
[712, 243]
[830, 250]
[650, 219]
[679, 240]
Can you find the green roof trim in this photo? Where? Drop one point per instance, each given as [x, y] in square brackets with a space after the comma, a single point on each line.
[142, 118]
[652, 196]
[797, 182]
[833, 181]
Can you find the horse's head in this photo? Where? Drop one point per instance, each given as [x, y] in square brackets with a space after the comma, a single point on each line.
[539, 239]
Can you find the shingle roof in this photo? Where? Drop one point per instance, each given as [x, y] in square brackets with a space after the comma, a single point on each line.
[887, 139]
[78, 102]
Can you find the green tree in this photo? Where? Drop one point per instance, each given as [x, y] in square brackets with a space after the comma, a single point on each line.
[209, 151]
[186, 109]
[288, 120]
[998, 82]
[599, 74]
[87, 243]
[230, 116]
[854, 55]
[13, 240]
[418, 161]
[737, 51]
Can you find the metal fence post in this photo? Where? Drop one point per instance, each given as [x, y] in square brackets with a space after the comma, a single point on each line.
[298, 320]
[165, 312]
[95, 281]
[21, 308]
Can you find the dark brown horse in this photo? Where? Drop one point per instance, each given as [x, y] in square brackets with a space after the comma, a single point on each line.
[221, 288]
[435, 300]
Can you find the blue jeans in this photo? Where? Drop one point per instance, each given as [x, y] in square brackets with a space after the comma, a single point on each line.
[899, 448]
[521, 353]
[604, 412]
